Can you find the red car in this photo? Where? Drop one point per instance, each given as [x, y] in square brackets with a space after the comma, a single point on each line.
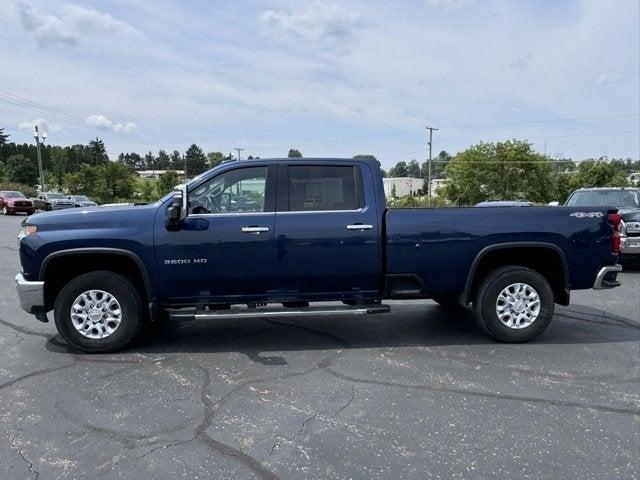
[12, 202]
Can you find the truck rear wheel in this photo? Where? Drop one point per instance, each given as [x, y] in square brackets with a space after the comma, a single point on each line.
[98, 312]
[514, 304]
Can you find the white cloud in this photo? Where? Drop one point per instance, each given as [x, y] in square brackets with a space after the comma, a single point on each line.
[72, 25]
[43, 125]
[609, 78]
[447, 4]
[319, 26]
[104, 123]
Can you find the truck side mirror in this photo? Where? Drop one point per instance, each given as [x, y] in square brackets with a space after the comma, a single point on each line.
[177, 211]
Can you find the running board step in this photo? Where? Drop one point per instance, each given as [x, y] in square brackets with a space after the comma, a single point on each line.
[244, 312]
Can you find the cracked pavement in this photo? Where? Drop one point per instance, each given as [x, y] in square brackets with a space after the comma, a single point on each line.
[414, 394]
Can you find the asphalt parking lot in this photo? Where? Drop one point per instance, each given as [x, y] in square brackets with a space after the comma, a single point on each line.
[417, 393]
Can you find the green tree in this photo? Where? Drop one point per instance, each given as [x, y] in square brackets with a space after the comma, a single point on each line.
[59, 165]
[166, 182]
[177, 163]
[294, 153]
[163, 162]
[364, 156]
[3, 137]
[399, 170]
[413, 169]
[149, 161]
[147, 189]
[215, 158]
[499, 171]
[597, 173]
[195, 160]
[21, 169]
[96, 152]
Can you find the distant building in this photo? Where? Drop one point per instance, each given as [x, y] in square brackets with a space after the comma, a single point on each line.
[403, 186]
[409, 186]
[157, 173]
[436, 184]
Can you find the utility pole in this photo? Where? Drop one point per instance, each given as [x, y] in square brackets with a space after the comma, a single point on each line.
[431, 129]
[239, 150]
[36, 135]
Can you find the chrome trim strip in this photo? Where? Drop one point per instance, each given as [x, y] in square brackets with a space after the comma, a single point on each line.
[597, 285]
[280, 313]
[356, 226]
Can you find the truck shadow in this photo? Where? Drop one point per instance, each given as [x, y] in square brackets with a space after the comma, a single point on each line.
[419, 325]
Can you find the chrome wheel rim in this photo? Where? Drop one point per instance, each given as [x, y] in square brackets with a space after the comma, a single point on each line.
[518, 305]
[96, 314]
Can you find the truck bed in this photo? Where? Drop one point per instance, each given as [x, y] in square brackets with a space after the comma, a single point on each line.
[439, 246]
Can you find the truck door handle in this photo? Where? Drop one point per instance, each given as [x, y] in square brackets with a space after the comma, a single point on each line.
[359, 226]
[255, 230]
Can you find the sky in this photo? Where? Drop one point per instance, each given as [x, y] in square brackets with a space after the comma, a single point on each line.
[330, 78]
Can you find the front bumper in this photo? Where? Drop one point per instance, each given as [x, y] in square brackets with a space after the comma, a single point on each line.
[30, 294]
[61, 207]
[20, 208]
[630, 245]
[607, 277]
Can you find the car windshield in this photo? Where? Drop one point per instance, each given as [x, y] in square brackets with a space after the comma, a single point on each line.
[12, 194]
[55, 195]
[616, 198]
[81, 198]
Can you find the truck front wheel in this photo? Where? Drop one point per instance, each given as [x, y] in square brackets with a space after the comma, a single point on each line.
[514, 304]
[98, 312]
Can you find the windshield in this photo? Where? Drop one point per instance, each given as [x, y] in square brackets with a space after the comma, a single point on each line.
[81, 198]
[55, 195]
[615, 198]
[12, 195]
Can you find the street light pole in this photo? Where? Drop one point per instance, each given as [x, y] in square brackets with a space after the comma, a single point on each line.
[36, 135]
[431, 129]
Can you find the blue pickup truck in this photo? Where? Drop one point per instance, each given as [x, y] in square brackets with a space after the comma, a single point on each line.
[277, 237]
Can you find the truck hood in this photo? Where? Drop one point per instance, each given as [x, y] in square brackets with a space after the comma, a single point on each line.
[85, 216]
[630, 214]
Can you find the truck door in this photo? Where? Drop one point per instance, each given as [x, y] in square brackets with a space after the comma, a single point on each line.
[327, 231]
[225, 246]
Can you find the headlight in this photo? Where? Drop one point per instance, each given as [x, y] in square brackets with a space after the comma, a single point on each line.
[633, 226]
[27, 230]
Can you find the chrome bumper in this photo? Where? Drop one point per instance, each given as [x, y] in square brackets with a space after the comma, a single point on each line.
[606, 277]
[630, 245]
[30, 294]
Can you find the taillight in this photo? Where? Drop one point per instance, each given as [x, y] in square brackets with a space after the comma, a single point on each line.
[615, 220]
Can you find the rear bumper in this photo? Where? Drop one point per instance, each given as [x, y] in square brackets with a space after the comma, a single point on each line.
[630, 245]
[30, 294]
[607, 277]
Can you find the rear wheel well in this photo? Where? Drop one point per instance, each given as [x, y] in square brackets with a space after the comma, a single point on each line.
[546, 261]
[60, 270]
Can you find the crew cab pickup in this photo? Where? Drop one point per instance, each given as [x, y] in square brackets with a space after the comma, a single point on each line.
[278, 237]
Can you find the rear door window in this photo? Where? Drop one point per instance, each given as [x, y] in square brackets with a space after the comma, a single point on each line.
[317, 188]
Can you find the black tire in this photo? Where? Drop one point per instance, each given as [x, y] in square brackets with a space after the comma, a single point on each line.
[484, 305]
[448, 301]
[124, 291]
[30, 212]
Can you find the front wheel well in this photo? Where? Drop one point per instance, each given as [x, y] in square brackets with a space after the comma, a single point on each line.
[62, 269]
[547, 261]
